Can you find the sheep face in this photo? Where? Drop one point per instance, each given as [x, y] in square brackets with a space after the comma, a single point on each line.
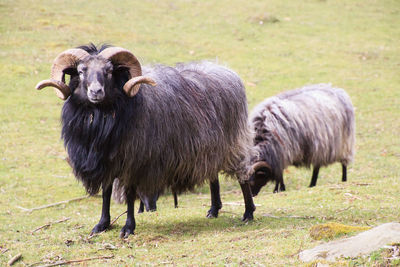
[259, 179]
[95, 80]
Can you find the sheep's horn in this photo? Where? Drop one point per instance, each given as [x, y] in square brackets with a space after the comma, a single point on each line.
[61, 89]
[124, 58]
[132, 86]
[260, 164]
[67, 59]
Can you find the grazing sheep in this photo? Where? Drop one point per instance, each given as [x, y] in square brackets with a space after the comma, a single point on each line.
[170, 127]
[313, 125]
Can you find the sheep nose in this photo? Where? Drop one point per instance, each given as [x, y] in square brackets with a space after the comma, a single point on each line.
[95, 88]
[95, 91]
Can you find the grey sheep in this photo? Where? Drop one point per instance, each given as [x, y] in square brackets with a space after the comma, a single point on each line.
[313, 125]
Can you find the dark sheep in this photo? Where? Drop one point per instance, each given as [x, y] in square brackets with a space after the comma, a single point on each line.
[313, 125]
[170, 127]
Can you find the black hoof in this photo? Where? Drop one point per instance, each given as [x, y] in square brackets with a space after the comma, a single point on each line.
[213, 213]
[126, 231]
[100, 227]
[247, 216]
[140, 210]
[282, 189]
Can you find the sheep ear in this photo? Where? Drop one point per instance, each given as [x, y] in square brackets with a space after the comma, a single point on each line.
[132, 86]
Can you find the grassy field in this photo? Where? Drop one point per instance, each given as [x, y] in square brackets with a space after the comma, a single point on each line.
[274, 46]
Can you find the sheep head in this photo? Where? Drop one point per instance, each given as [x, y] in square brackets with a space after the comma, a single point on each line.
[95, 73]
[260, 176]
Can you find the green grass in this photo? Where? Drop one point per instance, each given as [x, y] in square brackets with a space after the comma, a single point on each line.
[351, 44]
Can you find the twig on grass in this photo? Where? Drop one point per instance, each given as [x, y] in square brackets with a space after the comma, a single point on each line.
[362, 184]
[14, 259]
[112, 222]
[76, 261]
[49, 224]
[289, 216]
[339, 211]
[91, 235]
[53, 204]
[116, 218]
[237, 204]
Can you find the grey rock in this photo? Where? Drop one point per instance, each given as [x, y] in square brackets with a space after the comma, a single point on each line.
[361, 244]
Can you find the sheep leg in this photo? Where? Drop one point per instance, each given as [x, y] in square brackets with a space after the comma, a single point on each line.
[175, 199]
[216, 203]
[344, 173]
[279, 185]
[282, 188]
[314, 176]
[276, 189]
[248, 202]
[104, 222]
[282, 184]
[130, 223]
[141, 207]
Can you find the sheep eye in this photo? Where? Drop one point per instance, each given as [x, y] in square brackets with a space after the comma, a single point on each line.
[82, 70]
[108, 69]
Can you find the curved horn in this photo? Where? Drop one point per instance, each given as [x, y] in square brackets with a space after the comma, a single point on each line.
[132, 86]
[122, 57]
[67, 59]
[62, 90]
[260, 164]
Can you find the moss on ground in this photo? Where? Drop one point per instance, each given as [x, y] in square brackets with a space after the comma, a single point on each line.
[331, 230]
